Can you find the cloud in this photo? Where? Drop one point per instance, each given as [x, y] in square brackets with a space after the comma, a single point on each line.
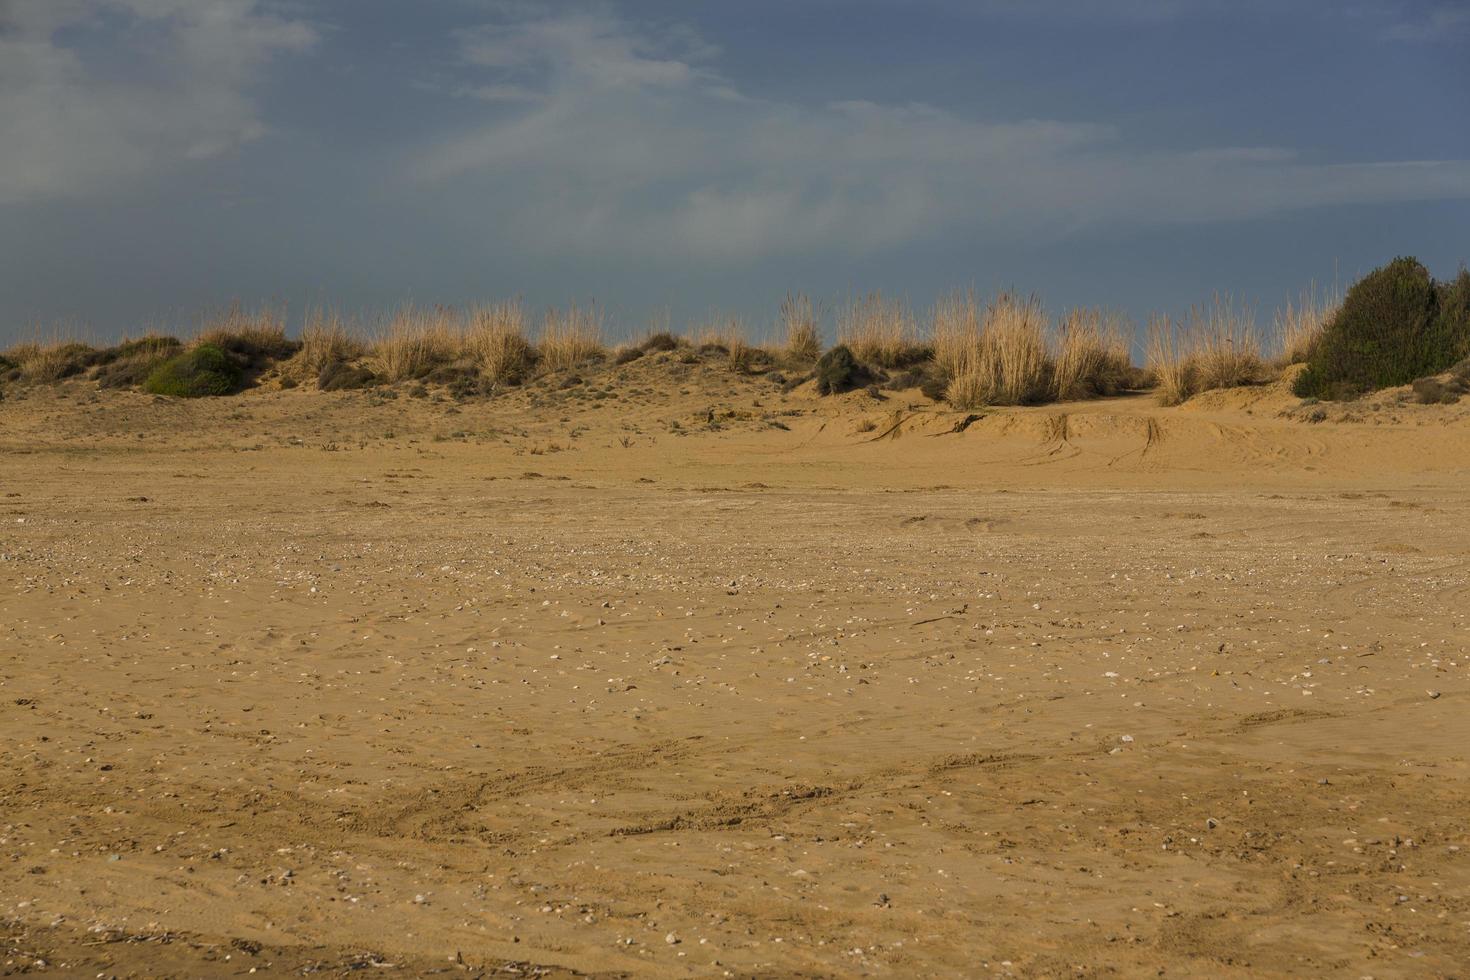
[1443, 22]
[629, 142]
[72, 128]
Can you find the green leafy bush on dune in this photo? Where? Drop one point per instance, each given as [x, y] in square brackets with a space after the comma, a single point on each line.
[1396, 324]
[199, 372]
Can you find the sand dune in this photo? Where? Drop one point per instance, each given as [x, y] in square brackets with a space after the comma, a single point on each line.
[690, 677]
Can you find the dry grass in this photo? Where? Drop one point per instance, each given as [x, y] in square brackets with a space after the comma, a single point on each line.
[497, 343]
[731, 336]
[1170, 360]
[1217, 346]
[1003, 361]
[956, 335]
[880, 331]
[570, 337]
[414, 342]
[1299, 325]
[744, 357]
[1090, 355]
[254, 333]
[1227, 345]
[51, 356]
[325, 339]
[799, 325]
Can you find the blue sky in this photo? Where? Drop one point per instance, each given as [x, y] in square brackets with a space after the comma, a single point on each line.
[162, 157]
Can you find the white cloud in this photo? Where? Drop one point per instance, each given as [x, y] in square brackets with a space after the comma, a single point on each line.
[628, 141]
[1442, 22]
[71, 129]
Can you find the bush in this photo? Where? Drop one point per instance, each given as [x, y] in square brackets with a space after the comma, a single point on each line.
[58, 361]
[661, 341]
[1432, 391]
[1395, 325]
[337, 376]
[257, 339]
[1452, 326]
[838, 370]
[201, 371]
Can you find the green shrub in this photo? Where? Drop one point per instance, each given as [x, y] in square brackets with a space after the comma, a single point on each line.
[838, 370]
[1395, 324]
[198, 372]
[1452, 326]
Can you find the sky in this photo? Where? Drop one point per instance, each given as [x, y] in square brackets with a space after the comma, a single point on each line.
[163, 158]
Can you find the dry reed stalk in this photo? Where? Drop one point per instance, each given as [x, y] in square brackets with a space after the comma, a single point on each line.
[1227, 345]
[325, 339]
[497, 342]
[1091, 355]
[879, 331]
[415, 341]
[799, 324]
[1299, 326]
[1171, 360]
[570, 337]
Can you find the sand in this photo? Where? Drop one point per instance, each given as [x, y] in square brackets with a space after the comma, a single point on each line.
[691, 678]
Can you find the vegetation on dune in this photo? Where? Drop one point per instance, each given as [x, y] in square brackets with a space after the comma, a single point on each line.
[256, 339]
[881, 332]
[201, 371]
[1215, 346]
[1395, 325]
[799, 324]
[839, 370]
[130, 363]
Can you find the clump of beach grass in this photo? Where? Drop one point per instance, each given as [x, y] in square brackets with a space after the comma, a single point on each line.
[799, 325]
[498, 345]
[1300, 324]
[1090, 356]
[570, 337]
[998, 360]
[326, 340]
[880, 331]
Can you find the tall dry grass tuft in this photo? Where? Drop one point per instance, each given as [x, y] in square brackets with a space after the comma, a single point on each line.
[1003, 362]
[497, 343]
[956, 335]
[254, 334]
[1299, 325]
[570, 337]
[799, 325]
[879, 331]
[51, 355]
[1227, 345]
[414, 342]
[1217, 346]
[1091, 355]
[1171, 361]
[326, 339]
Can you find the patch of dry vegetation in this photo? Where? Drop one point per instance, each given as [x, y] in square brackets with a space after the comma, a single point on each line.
[1215, 346]
[998, 359]
[799, 326]
[570, 337]
[1091, 355]
[255, 336]
[326, 340]
[1301, 323]
[498, 345]
[880, 331]
[415, 341]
